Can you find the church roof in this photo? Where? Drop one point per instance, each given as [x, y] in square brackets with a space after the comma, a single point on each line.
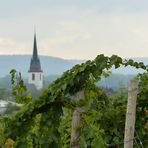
[35, 65]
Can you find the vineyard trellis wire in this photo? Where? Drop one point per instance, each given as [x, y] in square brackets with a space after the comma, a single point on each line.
[57, 95]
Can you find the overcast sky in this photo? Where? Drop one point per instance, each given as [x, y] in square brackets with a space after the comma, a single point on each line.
[75, 29]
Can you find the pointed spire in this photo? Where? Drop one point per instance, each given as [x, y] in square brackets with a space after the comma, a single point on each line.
[35, 53]
[35, 65]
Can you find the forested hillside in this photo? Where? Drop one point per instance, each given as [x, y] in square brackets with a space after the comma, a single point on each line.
[50, 65]
[113, 81]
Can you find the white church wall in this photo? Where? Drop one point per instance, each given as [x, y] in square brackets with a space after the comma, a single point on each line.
[38, 79]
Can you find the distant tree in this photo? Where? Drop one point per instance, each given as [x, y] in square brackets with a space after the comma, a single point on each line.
[34, 92]
[3, 93]
[11, 108]
[19, 90]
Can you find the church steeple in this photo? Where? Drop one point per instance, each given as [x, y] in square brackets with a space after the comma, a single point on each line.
[35, 53]
[35, 72]
[35, 65]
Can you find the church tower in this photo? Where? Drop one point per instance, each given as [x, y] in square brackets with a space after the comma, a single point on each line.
[35, 72]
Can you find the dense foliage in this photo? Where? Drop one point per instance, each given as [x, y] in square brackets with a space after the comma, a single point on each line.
[41, 123]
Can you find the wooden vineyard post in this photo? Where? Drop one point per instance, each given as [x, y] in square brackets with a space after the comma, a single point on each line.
[130, 114]
[76, 122]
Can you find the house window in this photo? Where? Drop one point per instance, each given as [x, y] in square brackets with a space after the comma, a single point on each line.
[33, 76]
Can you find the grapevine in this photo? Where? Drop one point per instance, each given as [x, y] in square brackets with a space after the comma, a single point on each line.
[58, 95]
